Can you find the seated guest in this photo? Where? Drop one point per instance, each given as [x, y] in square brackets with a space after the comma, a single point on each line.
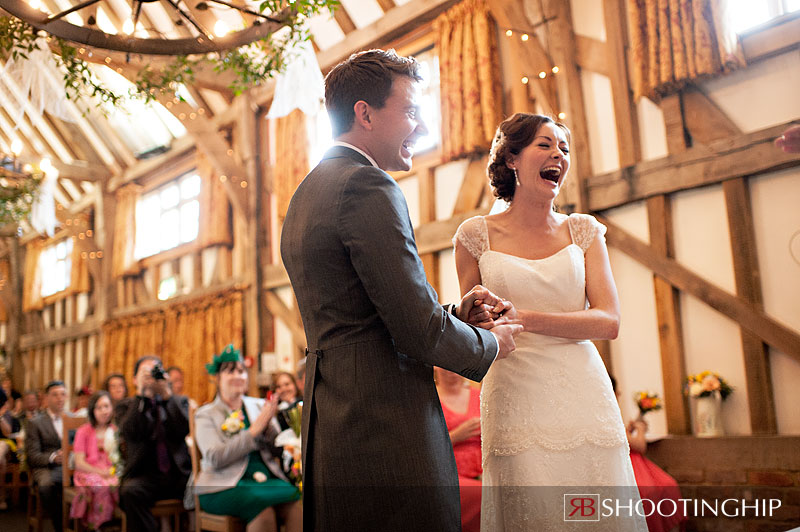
[9, 428]
[654, 483]
[116, 387]
[82, 396]
[14, 397]
[43, 450]
[176, 379]
[461, 405]
[239, 472]
[286, 388]
[30, 408]
[95, 480]
[153, 427]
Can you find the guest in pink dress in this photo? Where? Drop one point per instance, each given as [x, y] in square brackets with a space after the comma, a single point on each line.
[461, 405]
[94, 478]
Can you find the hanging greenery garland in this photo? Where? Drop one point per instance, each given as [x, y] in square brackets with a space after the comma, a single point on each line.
[251, 64]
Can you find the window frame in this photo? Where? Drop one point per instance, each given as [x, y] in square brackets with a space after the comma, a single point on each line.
[53, 243]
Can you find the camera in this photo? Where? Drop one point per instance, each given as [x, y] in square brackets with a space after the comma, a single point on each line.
[157, 372]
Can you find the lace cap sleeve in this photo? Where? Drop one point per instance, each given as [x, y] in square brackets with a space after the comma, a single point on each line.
[473, 235]
[584, 229]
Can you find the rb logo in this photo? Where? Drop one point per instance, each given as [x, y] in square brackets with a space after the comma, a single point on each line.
[581, 507]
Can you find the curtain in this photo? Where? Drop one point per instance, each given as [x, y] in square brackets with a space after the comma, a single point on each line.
[32, 277]
[123, 260]
[674, 42]
[215, 211]
[291, 157]
[185, 334]
[471, 98]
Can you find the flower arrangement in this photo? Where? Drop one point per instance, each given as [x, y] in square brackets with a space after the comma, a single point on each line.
[233, 423]
[705, 383]
[647, 402]
[111, 445]
[294, 416]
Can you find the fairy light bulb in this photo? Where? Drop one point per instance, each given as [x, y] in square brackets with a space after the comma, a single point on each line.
[221, 28]
[127, 27]
[525, 80]
[16, 147]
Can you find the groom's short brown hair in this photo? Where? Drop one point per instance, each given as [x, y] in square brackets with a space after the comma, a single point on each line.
[364, 76]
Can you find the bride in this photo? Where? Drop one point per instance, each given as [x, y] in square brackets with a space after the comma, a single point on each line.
[550, 422]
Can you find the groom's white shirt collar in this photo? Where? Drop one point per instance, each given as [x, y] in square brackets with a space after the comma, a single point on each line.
[359, 150]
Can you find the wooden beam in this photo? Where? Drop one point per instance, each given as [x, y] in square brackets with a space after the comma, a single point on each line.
[745, 313]
[427, 214]
[90, 326]
[343, 19]
[386, 5]
[279, 310]
[570, 100]
[592, 54]
[677, 137]
[438, 235]
[668, 313]
[275, 276]
[395, 23]
[704, 120]
[469, 195]
[748, 154]
[182, 147]
[748, 287]
[626, 116]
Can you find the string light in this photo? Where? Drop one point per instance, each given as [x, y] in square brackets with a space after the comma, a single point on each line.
[223, 178]
[524, 37]
[542, 74]
[525, 80]
[562, 115]
[554, 70]
[243, 184]
[509, 33]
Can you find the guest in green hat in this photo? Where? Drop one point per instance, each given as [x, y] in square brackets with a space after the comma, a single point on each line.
[240, 472]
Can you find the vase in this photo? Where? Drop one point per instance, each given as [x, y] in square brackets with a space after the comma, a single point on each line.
[708, 416]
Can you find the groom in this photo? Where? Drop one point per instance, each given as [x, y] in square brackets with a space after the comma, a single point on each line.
[376, 451]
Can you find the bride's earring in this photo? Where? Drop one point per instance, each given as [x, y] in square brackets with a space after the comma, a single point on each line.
[516, 176]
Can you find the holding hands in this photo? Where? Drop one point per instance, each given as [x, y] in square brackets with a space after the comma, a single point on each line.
[482, 308]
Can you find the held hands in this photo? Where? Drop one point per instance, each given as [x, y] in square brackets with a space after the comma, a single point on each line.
[465, 431]
[481, 308]
[259, 425]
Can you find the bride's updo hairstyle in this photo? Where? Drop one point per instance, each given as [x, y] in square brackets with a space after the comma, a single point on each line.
[513, 135]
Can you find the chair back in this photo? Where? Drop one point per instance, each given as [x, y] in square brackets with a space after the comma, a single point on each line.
[70, 425]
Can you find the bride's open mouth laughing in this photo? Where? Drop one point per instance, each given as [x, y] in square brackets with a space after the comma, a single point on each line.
[550, 173]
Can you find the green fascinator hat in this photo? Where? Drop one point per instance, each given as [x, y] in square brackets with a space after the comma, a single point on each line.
[229, 354]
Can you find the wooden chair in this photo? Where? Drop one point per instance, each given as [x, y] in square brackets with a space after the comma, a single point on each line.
[172, 508]
[35, 513]
[15, 472]
[70, 425]
[203, 520]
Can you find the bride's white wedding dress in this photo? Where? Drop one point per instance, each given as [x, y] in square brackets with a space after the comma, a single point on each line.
[550, 423]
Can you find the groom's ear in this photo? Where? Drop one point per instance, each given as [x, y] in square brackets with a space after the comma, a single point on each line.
[362, 115]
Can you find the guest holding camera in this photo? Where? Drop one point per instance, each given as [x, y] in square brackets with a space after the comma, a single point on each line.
[240, 474]
[153, 428]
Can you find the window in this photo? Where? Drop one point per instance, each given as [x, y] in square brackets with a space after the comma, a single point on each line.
[747, 14]
[55, 263]
[168, 216]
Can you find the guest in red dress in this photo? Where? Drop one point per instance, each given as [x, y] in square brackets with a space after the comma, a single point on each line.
[461, 405]
[654, 483]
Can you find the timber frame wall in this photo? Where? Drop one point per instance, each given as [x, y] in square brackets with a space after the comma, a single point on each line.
[705, 147]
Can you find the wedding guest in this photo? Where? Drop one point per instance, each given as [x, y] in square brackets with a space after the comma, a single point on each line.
[43, 450]
[116, 387]
[30, 408]
[9, 428]
[153, 427]
[654, 483]
[789, 142]
[461, 406]
[14, 397]
[82, 396]
[178, 384]
[95, 448]
[239, 474]
[285, 386]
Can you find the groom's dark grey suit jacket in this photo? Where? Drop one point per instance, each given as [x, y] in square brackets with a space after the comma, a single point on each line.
[376, 452]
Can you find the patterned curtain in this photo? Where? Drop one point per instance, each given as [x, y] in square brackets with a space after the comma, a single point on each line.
[32, 277]
[215, 210]
[466, 41]
[674, 42]
[291, 157]
[185, 334]
[123, 260]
